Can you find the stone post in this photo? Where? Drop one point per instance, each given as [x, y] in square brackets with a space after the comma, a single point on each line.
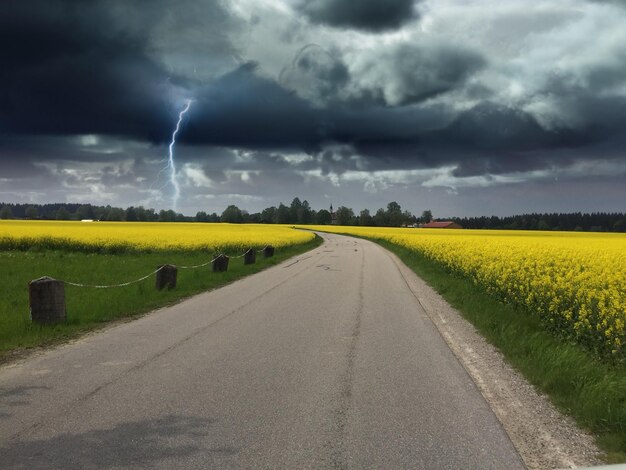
[220, 264]
[268, 251]
[249, 257]
[47, 300]
[166, 276]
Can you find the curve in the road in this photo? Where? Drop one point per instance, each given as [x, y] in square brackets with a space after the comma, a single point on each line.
[325, 361]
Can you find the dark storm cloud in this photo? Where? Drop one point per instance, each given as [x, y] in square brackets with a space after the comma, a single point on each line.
[87, 67]
[412, 73]
[71, 148]
[68, 72]
[115, 68]
[23, 169]
[243, 109]
[492, 127]
[327, 105]
[368, 15]
[399, 75]
[597, 111]
[318, 74]
[495, 139]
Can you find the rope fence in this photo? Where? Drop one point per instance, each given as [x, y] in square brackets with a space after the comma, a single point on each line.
[123, 284]
[47, 295]
[197, 265]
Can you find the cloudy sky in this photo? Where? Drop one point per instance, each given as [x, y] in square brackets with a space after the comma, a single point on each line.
[464, 107]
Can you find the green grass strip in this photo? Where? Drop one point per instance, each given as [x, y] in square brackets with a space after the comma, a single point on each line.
[89, 308]
[578, 383]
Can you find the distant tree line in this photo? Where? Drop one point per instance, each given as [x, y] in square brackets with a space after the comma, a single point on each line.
[70, 211]
[300, 212]
[576, 221]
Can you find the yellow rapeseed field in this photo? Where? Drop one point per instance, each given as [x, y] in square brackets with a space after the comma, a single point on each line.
[113, 236]
[576, 282]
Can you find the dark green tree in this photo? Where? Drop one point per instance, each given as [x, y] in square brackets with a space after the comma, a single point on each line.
[365, 219]
[294, 210]
[85, 212]
[62, 214]
[31, 212]
[282, 214]
[115, 214]
[131, 214]
[304, 214]
[345, 216]
[202, 216]
[167, 215]
[232, 214]
[6, 213]
[268, 215]
[151, 215]
[394, 214]
[543, 225]
[322, 217]
[408, 218]
[254, 218]
[380, 218]
[427, 216]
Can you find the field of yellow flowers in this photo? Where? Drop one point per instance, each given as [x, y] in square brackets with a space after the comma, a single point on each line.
[576, 282]
[123, 257]
[145, 236]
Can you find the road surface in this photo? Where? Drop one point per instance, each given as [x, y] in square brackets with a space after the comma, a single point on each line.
[325, 361]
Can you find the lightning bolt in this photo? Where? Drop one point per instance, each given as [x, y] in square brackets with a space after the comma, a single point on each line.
[171, 164]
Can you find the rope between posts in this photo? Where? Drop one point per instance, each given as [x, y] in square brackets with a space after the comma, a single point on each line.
[124, 284]
[143, 278]
[197, 265]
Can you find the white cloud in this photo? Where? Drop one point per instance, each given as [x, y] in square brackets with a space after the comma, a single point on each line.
[196, 177]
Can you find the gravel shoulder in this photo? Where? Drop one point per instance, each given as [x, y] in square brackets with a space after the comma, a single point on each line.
[544, 437]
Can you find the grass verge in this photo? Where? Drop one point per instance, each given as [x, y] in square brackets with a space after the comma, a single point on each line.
[578, 383]
[89, 308]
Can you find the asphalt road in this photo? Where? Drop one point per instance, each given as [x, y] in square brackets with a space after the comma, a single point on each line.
[325, 361]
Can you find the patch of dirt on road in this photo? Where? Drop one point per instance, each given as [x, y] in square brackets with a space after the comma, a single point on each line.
[543, 436]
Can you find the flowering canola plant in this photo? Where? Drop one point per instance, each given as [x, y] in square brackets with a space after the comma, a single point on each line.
[576, 282]
[145, 236]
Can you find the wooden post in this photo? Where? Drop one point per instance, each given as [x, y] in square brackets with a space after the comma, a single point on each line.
[220, 264]
[47, 300]
[268, 251]
[166, 276]
[249, 257]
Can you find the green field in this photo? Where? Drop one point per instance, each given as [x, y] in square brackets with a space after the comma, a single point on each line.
[89, 308]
